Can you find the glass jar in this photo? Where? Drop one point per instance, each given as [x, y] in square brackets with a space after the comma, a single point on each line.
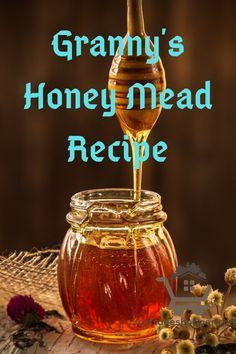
[110, 259]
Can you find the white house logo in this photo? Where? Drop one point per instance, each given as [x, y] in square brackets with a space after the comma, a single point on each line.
[187, 276]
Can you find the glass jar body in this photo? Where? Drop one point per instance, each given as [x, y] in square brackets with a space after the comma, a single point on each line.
[108, 270]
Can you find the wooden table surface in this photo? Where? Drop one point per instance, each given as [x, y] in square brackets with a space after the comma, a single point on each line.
[67, 342]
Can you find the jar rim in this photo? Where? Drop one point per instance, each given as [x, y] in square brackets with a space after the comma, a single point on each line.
[118, 195]
[115, 205]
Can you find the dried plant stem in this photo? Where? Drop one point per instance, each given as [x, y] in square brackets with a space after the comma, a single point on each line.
[220, 334]
[209, 312]
[226, 298]
[193, 335]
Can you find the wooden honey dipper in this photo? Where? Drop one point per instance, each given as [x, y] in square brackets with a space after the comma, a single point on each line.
[124, 73]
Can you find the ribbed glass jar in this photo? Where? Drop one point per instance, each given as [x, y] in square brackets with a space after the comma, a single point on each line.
[110, 259]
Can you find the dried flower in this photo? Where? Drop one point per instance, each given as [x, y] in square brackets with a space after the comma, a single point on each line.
[206, 331]
[230, 313]
[23, 309]
[166, 334]
[198, 290]
[215, 298]
[166, 314]
[230, 276]
[217, 320]
[185, 347]
[212, 340]
[196, 321]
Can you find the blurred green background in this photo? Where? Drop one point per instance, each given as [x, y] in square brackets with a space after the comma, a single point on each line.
[198, 180]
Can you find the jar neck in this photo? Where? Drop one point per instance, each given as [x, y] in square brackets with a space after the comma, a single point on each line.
[135, 19]
[115, 208]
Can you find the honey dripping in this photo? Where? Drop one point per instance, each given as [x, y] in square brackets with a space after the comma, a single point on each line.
[124, 73]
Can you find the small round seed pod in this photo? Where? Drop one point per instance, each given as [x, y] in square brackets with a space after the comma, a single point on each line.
[212, 340]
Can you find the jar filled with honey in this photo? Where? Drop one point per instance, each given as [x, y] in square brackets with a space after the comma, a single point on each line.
[110, 260]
